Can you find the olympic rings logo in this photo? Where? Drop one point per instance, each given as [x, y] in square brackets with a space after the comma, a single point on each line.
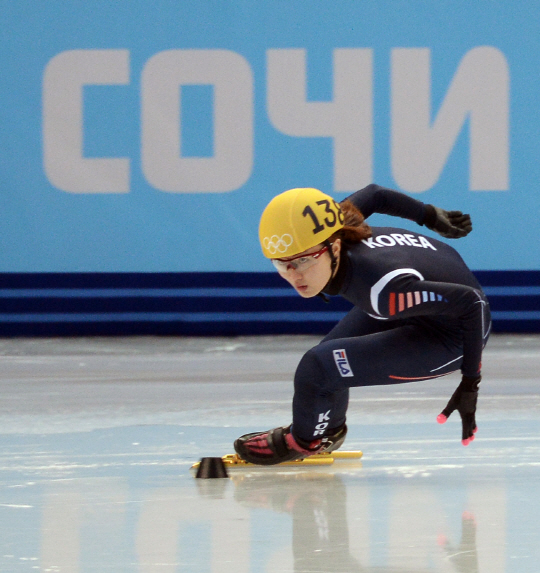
[275, 244]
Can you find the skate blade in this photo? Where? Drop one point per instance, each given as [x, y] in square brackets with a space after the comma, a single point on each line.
[325, 459]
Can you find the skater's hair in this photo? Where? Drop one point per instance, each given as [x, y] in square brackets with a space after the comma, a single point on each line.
[355, 228]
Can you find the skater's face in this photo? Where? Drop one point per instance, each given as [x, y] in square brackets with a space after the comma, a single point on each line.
[308, 272]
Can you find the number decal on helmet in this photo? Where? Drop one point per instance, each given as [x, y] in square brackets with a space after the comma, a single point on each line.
[336, 215]
[341, 218]
[330, 222]
[318, 227]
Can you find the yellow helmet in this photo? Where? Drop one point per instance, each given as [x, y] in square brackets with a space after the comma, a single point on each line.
[297, 220]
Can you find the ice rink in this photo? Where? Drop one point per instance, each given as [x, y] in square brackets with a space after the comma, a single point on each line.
[97, 437]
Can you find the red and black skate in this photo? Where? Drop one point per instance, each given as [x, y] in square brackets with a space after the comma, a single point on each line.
[279, 445]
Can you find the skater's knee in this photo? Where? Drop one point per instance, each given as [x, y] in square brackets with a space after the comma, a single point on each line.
[311, 372]
[310, 361]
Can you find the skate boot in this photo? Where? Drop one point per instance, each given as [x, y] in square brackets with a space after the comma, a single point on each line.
[279, 445]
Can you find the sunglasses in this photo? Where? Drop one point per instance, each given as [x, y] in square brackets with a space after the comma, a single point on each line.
[299, 263]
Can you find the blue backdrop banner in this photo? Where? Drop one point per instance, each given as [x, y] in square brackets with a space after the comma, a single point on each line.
[147, 136]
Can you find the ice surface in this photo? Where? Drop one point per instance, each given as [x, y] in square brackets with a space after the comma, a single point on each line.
[97, 437]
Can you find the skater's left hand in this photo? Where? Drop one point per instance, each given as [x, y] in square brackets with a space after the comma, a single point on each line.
[464, 401]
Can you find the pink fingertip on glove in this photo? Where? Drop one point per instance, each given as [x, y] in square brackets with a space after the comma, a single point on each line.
[441, 418]
[466, 442]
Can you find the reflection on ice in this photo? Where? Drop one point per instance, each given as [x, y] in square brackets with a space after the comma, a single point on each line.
[464, 554]
[350, 526]
[268, 520]
[94, 468]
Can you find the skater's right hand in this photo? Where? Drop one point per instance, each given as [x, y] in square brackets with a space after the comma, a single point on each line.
[464, 401]
[449, 224]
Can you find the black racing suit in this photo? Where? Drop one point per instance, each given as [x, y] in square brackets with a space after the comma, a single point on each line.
[419, 313]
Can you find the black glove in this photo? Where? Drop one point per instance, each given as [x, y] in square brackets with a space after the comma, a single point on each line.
[449, 224]
[464, 401]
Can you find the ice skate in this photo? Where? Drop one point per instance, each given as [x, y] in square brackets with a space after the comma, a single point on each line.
[279, 445]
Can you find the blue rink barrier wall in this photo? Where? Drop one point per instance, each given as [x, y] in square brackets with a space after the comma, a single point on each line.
[208, 304]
